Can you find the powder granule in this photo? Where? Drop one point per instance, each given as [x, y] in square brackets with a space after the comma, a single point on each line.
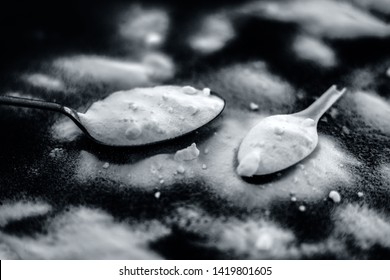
[187, 154]
[335, 196]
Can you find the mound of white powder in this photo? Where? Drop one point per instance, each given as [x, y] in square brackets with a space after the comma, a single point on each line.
[147, 115]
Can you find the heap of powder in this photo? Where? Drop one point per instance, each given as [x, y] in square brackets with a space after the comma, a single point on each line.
[146, 115]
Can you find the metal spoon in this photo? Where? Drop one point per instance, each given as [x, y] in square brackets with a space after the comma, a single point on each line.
[74, 116]
[280, 141]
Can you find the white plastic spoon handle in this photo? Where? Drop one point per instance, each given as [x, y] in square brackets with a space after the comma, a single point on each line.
[322, 104]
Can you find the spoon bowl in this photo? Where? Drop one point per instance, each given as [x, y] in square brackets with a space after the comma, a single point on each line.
[79, 120]
[280, 141]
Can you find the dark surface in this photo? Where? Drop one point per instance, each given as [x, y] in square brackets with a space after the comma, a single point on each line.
[33, 32]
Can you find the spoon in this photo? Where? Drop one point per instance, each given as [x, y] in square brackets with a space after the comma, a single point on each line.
[85, 126]
[280, 141]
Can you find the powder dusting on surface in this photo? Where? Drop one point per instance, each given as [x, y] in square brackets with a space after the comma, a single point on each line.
[314, 50]
[214, 33]
[122, 73]
[365, 226]
[147, 27]
[254, 82]
[375, 110]
[315, 180]
[10, 212]
[83, 233]
[324, 18]
[45, 81]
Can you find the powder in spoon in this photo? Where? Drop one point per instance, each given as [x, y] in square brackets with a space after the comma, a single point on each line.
[279, 141]
[146, 115]
[274, 142]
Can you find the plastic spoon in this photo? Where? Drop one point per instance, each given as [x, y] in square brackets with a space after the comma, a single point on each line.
[280, 141]
[75, 117]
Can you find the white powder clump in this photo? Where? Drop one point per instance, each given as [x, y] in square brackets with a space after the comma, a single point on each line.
[314, 50]
[56, 152]
[121, 73]
[381, 6]
[146, 115]
[181, 169]
[366, 227]
[253, 106]
[335, 196]
[83, 233]
[187, 154]
[45, 81]
[10, 212]
[206, 91]
[214, 33]
[322, 18]
[253, 82]
[189, 90]
[143, 26]
[375, 110]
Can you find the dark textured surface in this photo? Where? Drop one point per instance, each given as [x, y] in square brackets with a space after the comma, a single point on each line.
[199, 217]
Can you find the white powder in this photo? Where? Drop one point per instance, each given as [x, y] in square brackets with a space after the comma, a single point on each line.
[335, 196]
[56, 152]
[148, 27]
[253, 106]
[219, 152]
[276, 143]
[146, 115]
[253, 82]
[214, 33]
[83, 233]
[374, 110]
[280, 141]
[314, 50]
[121, 73]
[206, 91]
[181, 169]
[45, 81]
[187, 154]
[324, 18]
[10, 212]
[381, 6]
[319, 181]
[366, 227]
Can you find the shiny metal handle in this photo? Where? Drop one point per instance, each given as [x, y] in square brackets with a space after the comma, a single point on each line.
[31, 103]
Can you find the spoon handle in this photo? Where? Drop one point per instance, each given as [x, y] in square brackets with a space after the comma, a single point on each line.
[322, 104]
[30, 103]
[45, 105]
